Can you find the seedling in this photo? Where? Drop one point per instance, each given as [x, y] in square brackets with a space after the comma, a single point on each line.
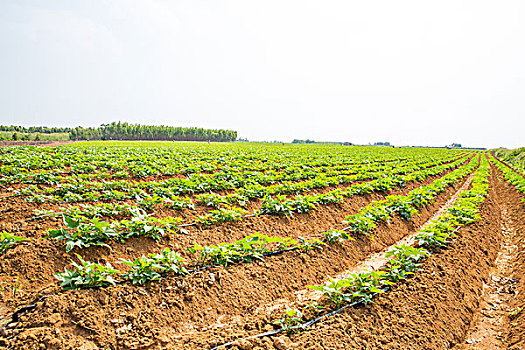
[8, 240]
[87, 274]
[291, 318]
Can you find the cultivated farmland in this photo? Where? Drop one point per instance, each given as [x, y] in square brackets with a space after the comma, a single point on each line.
[164, 245]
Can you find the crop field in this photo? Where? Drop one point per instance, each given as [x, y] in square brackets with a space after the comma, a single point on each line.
[190, 245]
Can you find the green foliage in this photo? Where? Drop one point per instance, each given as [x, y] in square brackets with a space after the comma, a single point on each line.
[358, 286]
[87, 274]
[437, 233]
[402, 205]
[143, 225]
[405, 260]
[248, 249]
[360, 223]
[291, 318]
[222, 215]
[154, 266]
[278, 205]
[337, 236]
[8, 240]
[83, 234]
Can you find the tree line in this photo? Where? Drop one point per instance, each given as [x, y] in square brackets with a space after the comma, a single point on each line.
[126, 131]
[34, 129]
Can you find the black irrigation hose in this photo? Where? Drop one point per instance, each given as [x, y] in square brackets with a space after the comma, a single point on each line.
[14, 316]
[308, 323]
[298, 327]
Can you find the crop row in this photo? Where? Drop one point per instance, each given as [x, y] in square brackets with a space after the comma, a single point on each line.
[84, 232]
[402, 261]
[185, 158]
[255, 246]
[266, 175]
[227, 212]
[511, 176]
[515, 158]
[245, 182]
[269, 174]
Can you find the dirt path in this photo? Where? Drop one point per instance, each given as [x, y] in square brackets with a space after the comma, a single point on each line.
[489, 324]
[378, 260]
[434, 309]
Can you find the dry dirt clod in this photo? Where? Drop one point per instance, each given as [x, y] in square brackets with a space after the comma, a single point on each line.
[281, 343]
[491, 318]
[243, 344]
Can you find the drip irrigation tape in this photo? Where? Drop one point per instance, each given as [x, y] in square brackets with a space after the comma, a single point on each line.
[300, 327]
[14, 316]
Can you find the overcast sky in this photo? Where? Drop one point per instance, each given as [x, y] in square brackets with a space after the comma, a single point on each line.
[408, 72]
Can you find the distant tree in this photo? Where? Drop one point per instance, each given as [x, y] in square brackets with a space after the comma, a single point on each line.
[15, 136]
[125, 131]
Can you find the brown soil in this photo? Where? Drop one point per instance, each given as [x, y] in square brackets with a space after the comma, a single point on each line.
[34, 263]
[433, 310]
[140, 315]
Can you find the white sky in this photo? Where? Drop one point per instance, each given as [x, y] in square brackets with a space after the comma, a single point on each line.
[408, 72]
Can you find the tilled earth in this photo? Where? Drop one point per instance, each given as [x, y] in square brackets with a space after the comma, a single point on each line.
[433, 310]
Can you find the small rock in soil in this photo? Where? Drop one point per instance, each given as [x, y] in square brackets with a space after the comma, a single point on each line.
[243, 344]
[280, 343]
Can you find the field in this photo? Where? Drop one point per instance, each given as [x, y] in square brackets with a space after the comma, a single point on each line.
[186, 245]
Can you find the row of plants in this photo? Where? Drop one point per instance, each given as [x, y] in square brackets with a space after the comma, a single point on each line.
[511, 176]
[514, 157]
[122, 189]
[270, 205]
[83, 231]
[257, 245]
[402, 261]
[268, 175]
[86, 274]
[365, 221]
[145, 159]
[304, 203]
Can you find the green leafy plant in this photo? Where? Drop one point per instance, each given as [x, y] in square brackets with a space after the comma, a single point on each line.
[359, 223]
[358, 286]
[154, 266]
[142, 224]
[84, 234]
[334, 290]
[8, 240]
[337, 236]
[402, 205]
[405, 260]
[277, 205]
[291, 318]
[87, 274]
[222, 215]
